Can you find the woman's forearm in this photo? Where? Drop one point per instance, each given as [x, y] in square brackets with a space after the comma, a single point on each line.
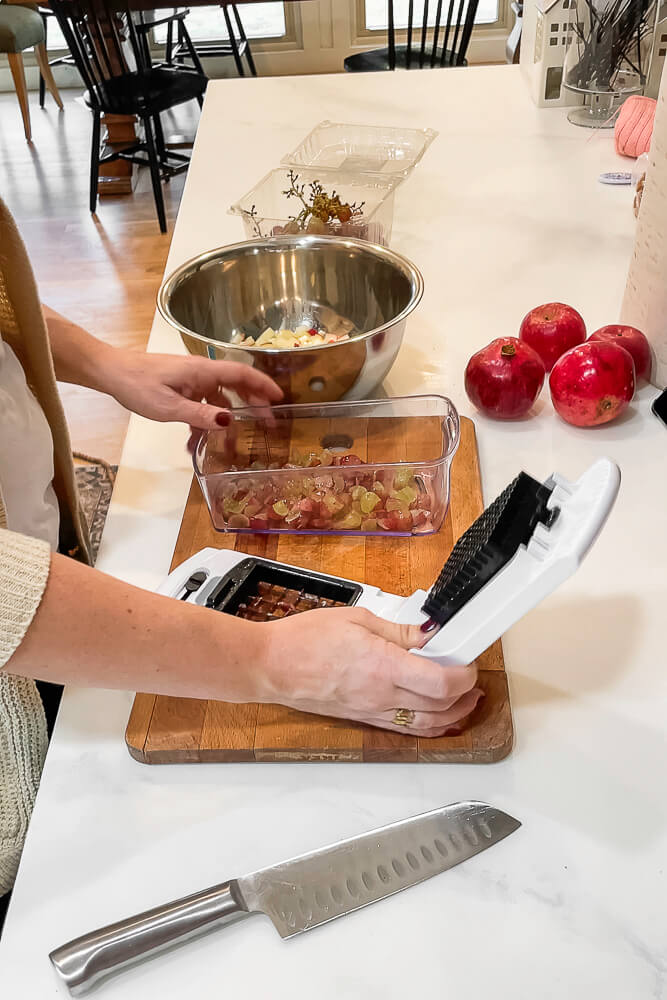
[95, 630]
[78, 357]
[92, 629]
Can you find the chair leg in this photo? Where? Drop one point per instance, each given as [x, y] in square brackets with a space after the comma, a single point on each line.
[232, 42]
[244, 38]
[94, 161]
[42, 86]
[169, 44]
[194, 55]
[159, 139]
[155, 174]
[18, 73]
[46, 76]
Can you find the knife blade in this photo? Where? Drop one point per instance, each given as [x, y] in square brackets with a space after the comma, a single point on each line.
[298, 894]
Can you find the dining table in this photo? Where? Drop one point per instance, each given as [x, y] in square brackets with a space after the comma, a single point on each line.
[504, 211]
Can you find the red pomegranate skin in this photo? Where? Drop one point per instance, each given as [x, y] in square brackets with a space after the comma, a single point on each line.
[634, 342]
[551, 330]
[592, 383]
[504, 379]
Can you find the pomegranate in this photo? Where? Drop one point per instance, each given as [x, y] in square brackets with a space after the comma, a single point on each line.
[592, 383]
[504, 379]
[551, 330]
[634, 342]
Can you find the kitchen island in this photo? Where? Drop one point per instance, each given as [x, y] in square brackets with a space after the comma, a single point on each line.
[504, 212]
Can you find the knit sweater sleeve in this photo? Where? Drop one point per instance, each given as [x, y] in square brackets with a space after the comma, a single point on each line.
[24, 571]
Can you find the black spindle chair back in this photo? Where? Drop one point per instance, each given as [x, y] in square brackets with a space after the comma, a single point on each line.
[114, 61]
[444, 42]
[105, 47]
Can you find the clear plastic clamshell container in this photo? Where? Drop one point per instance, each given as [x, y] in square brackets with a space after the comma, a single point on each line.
[362, 148]
[378, 467]
[266, 210]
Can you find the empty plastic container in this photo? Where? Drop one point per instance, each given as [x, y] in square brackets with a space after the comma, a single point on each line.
[362, 148]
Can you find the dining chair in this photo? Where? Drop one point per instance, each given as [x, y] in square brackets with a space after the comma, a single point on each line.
[179, 50]
[22, 28]
[114, 63]
[184, 48]
[447, 45]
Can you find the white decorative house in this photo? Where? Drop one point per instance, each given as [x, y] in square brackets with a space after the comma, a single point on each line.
[546, 29]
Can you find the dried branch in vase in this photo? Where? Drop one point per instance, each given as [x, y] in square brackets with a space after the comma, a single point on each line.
[608, 38]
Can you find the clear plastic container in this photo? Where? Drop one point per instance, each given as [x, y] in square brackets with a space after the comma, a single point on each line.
[362, 148]
[379, 467]
[267, 211]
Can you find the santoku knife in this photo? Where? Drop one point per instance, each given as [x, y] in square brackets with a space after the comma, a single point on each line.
[299, 894]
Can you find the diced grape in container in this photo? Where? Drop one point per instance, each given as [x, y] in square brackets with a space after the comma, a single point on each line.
[378, 467]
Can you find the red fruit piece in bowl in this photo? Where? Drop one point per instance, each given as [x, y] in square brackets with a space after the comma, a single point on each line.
[504, 379]
[634, 342]
[551, 330]
[592, 383]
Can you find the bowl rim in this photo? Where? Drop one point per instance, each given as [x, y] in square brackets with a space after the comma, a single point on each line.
[276, 242]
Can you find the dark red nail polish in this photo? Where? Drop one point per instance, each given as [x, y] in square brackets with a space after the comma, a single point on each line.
[222, 419]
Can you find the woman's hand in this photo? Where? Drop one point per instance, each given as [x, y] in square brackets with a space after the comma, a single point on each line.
[347, 662]
[158, 386]
[170, 387]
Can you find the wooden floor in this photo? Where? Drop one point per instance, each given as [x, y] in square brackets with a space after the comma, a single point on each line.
[104, 271]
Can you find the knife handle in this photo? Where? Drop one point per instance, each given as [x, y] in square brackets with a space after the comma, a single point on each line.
[83, 962]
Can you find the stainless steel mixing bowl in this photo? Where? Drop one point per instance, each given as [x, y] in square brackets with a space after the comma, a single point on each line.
[335, 283]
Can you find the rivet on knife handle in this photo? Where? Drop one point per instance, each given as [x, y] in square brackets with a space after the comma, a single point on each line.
[83, 962]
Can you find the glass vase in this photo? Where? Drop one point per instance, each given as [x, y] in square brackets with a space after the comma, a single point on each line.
[607, 56]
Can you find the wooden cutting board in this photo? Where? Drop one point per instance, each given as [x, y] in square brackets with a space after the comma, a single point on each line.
[164, 730]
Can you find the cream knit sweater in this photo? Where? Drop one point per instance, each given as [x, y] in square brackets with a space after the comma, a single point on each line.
[24, 562]
[24, 569]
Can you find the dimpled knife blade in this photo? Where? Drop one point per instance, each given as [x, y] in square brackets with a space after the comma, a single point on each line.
[336, 880]
[299, 894]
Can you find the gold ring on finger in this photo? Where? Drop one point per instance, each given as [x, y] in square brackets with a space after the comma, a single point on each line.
[403, 717]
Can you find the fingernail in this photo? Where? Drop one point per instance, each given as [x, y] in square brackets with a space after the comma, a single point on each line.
[222, 419]
[429, 626]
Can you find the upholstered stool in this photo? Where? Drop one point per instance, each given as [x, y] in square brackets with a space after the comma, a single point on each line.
[22, 28]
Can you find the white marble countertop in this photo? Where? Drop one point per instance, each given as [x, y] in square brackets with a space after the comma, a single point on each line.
[505, 211]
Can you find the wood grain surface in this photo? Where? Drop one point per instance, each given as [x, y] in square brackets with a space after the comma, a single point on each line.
[181, 730]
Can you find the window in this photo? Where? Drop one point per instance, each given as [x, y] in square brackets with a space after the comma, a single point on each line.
[260, 20]
[54, 35]
[376, 13]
